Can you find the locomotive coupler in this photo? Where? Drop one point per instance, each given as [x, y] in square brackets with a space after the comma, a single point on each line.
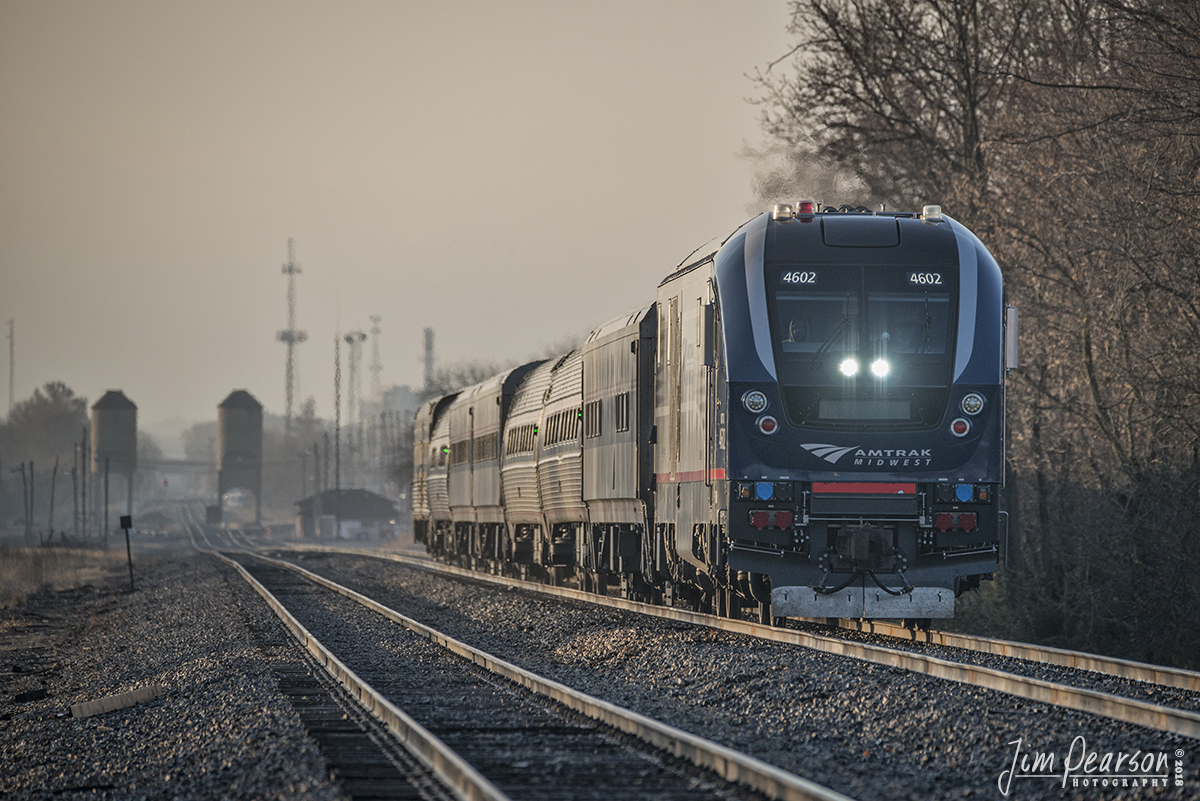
[867, 548]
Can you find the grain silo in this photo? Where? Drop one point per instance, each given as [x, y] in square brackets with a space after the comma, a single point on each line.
[114, 440]
[239, 446]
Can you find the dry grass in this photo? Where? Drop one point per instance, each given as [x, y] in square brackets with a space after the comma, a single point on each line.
[29, 570]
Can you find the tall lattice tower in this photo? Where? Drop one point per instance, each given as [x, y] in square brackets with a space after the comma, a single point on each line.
[291, 337]
[355, 339]
[376, 367]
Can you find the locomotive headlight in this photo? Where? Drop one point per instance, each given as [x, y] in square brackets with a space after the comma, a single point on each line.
[848, 367]
[754, 401]
[880, 368]
[972, 403]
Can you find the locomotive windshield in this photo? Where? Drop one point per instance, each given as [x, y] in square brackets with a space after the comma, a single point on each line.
[863, 345]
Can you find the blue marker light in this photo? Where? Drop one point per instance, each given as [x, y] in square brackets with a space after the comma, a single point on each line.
[764, 490]
[964, 492]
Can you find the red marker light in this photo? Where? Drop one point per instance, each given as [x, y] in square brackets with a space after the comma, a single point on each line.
[767, 424]
[960, 427]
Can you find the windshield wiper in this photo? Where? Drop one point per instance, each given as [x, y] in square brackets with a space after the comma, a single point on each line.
[835, 335]
[926, 328]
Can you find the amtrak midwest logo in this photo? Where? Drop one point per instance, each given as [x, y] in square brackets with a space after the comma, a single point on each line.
[872, 457]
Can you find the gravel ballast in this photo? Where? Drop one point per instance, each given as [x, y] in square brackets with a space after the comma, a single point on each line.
[529, 746]
[866, 730]
[221, 729]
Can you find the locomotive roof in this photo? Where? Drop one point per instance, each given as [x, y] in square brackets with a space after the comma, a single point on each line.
[855, 238]
[839, 236]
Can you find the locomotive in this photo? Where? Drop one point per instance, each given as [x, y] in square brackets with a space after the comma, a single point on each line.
[807, 421]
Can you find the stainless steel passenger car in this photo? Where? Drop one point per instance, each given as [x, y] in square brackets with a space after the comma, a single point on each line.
[808, 420]
[476, 419]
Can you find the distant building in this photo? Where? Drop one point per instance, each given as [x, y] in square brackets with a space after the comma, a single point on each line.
[364, 516]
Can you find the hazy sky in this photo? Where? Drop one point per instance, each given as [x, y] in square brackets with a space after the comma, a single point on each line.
[509, 173]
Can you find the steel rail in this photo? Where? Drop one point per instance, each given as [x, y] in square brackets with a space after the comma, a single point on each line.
[455, 773]
[1108, 665]
[731, 765]
[1126, 710]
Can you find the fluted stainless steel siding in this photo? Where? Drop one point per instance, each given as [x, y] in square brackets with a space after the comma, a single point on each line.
[422, 426]
[518, 473]
[610, 461]
[683, 398]
[560, 466]
[439, 498]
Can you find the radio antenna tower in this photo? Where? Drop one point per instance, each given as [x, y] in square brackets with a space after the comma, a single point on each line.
[354, 339]
[290, 337]
[376, 367]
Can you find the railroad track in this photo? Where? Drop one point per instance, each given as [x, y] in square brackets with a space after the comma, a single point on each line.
[906, 654]
[1061, 657]
[466, 719]
[359, 750]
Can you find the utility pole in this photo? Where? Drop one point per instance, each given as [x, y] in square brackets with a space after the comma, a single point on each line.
[290, 337]
[53, 481]
[75, 495]
[374, 450]
[12, 352]
[354, 405]
[337, 435]
[325, 465]
[106, 503]
[84, 467]
[303, 474]
[25, 502]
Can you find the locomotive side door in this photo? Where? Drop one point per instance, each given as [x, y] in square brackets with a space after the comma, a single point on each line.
[684, 392]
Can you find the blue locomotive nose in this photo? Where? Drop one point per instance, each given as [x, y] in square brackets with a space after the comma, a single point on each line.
[764, 490]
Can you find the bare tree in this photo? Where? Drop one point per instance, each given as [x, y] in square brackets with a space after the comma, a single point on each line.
[900, 95]
[453, 377]
[1068, 132]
